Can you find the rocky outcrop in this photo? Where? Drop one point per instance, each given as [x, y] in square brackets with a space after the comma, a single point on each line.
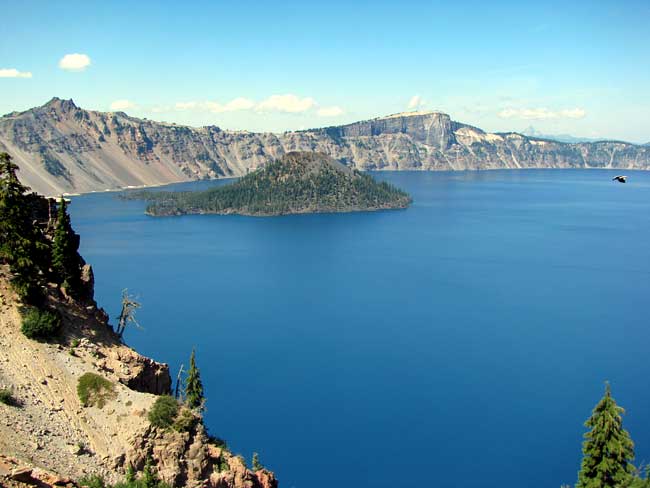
[138, 372]
[201, 463]
[49, 430]
[239, 476]
[60, 147]
[429, 128]
[48, 436]
[15, 474]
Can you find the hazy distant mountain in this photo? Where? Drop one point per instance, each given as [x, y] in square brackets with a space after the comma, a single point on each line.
[60, 147]
[532, 132]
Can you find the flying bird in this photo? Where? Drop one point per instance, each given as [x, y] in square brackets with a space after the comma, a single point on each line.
[620, 178]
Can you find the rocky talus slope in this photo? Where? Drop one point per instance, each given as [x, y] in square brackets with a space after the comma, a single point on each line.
[63, 148]
[48, 437]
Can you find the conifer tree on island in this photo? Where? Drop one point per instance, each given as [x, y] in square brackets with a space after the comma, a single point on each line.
[193, 385]
[608, 450]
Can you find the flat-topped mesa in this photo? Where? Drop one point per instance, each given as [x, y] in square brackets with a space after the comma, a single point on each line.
[430, 128]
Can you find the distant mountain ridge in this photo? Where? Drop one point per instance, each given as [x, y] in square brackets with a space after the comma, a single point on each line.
[60, 147]
[532, 132]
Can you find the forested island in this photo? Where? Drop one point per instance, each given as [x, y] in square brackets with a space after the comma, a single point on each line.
[299, 182]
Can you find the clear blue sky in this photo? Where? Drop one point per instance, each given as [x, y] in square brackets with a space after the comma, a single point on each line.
[581, 68]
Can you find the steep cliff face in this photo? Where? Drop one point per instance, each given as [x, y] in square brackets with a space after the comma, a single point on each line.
[48, 436]
[63, 148]
[430, 128]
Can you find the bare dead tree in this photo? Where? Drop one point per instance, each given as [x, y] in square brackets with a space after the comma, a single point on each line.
[179, 380]
[127, 315]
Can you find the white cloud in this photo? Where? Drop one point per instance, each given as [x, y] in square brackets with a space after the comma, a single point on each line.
[239, 103]
[415, 102]
[74, 62]
[508, 113]
[574, 113]
[334, 111]
[286, 103]
[186, 105]
[119, 105]
[234, 105]
[14, 73]
[541, 113]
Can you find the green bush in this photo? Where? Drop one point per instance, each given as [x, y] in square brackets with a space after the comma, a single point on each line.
[93, 390]
[7, 397]
[40, 324]
[222, 464]
[94, 481]
[163, 412]
[185, 420]
[141, 483]
[217, 441]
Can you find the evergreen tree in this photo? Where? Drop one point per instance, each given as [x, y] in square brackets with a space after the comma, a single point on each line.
[21, 242]
[256, 462]
[149, 477]
[130, 474]
[65, 258]
[608, 450]
[193, 385]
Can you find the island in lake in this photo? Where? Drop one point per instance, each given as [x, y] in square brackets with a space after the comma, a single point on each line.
[299, 182]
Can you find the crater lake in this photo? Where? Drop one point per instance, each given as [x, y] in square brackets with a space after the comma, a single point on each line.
[460, 342]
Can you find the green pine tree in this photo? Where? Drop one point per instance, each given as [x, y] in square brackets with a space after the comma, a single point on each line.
[608, 450]
[256, 462]
[193, 385]
[21, 242]
[149, 476]
[65, 258]
[130, 475]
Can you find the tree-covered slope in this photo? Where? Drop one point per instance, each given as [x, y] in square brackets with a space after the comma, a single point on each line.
[299, 182]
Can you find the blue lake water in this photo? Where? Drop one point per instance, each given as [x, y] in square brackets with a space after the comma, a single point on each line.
[459, 343]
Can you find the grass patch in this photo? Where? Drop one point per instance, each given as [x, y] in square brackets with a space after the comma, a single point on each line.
[40, 325]
[94, 390]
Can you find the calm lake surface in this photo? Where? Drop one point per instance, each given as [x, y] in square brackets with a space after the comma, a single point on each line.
[459, 343]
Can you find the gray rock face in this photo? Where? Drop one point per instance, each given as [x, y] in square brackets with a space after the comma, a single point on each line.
[432, 129]
[60, 147]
